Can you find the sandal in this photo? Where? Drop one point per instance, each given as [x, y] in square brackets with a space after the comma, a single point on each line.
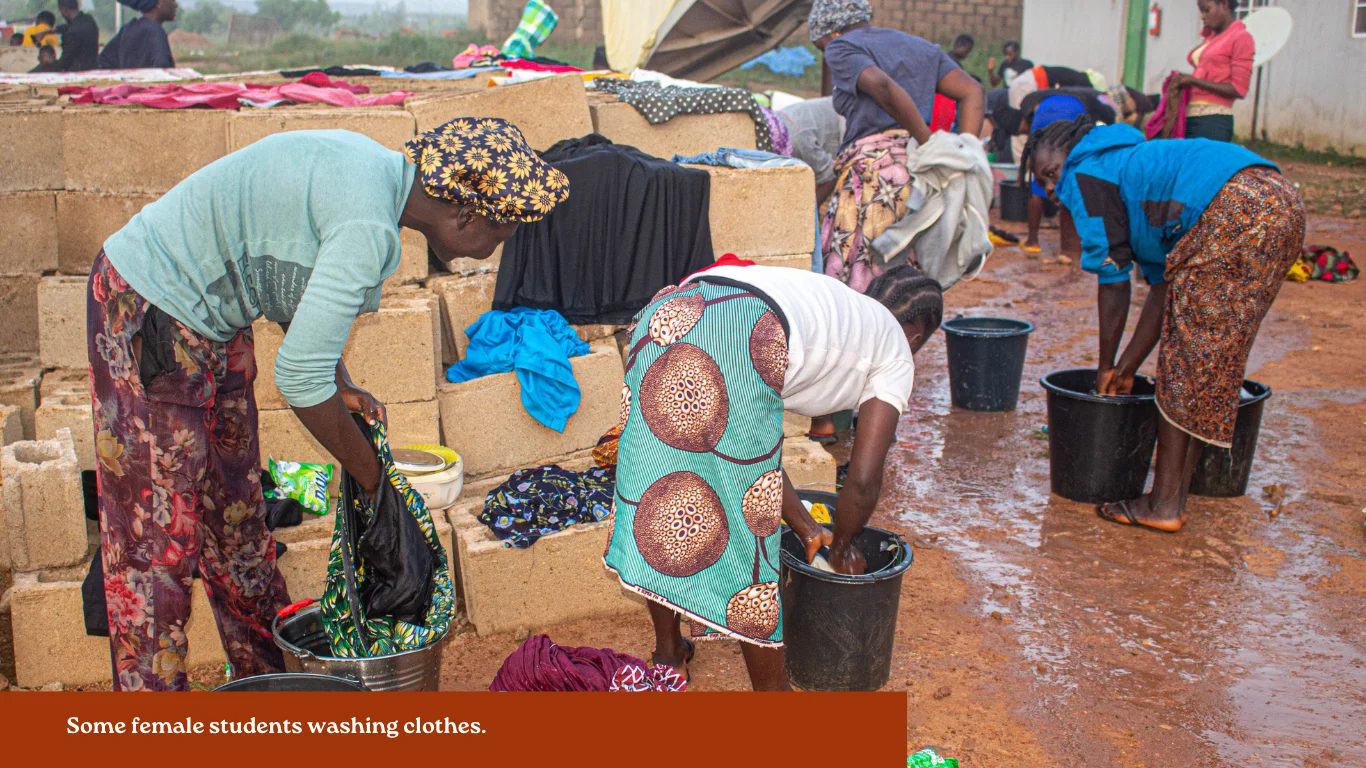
[691, 652]
[829, 439]
[1104, 513]
[1032, 248]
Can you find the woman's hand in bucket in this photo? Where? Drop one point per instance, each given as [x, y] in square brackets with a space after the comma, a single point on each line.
[360, 401]
[846, 558]
[1114, 381]
[815, 539]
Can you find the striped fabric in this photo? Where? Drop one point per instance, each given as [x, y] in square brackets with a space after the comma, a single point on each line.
[538, 21]
[699, 476]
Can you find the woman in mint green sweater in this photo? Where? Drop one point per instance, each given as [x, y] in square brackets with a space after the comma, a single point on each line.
[300, 228]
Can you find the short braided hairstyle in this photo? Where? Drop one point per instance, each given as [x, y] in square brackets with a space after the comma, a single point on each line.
[914, 298]
[1062, 136]
[1232, 4]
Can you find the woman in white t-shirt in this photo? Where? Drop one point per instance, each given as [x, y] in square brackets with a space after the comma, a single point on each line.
[701, 491]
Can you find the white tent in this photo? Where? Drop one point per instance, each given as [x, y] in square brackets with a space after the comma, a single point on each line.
[696, 39]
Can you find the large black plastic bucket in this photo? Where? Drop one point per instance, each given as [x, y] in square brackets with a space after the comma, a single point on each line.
[1223, 472]
[839, 630]
[1014, 201]
[986, 361]
[289, 681]
[1099, 447]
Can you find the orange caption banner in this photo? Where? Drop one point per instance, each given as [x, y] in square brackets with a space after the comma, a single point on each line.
[251, 730]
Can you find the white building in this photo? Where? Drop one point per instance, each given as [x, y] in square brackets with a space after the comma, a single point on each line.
[1313, 92]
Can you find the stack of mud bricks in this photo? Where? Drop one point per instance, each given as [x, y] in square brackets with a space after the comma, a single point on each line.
[995, 20]
[120, 159]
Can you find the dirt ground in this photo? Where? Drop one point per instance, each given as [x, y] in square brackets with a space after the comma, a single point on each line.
[1032, 633]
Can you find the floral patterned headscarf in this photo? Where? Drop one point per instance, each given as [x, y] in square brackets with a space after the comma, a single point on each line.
[485, 162]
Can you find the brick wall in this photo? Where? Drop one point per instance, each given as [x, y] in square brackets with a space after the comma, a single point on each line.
[938, 20]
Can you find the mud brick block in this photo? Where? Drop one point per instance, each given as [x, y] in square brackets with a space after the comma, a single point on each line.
[19, 378]
[34, 139]
[50, 643]
[85, 220]
[64, 402]
[545, 110]
[558, 579]
[463, 300]
[414, 243]
[44, 509]
[800, 261]
[808, 463]
[30, 220]
[796, 425]
[61, 322]
[390, 127]
[413, 261]
[763, 211]
[683, 135]
[19, 314]
[485, 422]
[140, 150]
[283, 437]
[394, 353]
[11, 425]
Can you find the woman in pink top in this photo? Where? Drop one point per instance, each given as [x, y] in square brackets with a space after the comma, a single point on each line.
[1223, 69]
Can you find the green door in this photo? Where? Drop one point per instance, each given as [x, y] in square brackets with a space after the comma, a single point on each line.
[1135, 43]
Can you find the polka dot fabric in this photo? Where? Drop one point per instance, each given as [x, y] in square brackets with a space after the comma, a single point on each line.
[662, 103]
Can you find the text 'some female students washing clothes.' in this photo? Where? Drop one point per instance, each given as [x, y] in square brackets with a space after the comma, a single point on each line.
[701, 491]
[1214, 229]
[302, 229]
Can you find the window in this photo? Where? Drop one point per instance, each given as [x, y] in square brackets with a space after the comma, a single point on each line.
[1359, 22]
[1248, 6]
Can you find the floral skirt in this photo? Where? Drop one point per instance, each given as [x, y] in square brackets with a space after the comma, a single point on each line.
[871, 192]
[1222, 278]
[699, 475]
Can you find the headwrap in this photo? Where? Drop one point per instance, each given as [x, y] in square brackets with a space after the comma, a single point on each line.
[485, 162]
[829, 16]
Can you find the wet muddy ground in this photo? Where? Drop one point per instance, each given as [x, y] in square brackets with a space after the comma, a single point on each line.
[1033, 633]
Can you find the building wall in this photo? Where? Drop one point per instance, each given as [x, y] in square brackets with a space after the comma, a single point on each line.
[1081, 34]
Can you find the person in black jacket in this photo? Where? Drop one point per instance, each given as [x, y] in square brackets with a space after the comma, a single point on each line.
[80, 38]
[142, 43]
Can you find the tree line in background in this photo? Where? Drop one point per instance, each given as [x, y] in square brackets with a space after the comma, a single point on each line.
[205, 17]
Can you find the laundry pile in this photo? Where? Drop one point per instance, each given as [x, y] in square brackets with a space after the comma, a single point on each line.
[541, 665]
[540, 501]
[314, 88]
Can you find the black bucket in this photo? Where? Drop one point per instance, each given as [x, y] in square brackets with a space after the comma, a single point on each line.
[291, 682]
[986, 361]
[1222, 472]
[839, 630]
[1099, 447]
[1014, 201]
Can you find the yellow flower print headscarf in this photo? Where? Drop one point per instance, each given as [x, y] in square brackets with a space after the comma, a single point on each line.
[485, 162]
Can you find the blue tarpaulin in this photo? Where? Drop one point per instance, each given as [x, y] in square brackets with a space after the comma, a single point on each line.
[784, 61]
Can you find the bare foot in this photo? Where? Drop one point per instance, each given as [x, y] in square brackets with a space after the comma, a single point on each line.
[1141, 513]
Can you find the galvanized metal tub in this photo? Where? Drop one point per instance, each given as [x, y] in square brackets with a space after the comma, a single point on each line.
[300, 635]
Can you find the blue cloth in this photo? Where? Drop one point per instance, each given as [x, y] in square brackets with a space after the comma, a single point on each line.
[537, 344]
[914, 64]
[784, 61]
[449, 74]
[730, 157]
[1132, 200]
[1037, 188]
[1055, 108]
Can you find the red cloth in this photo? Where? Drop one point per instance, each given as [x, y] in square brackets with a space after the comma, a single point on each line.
[230, 95]
[531, 66]
[944, 114]
[1227, 58]
[541, 665]
[728, 260]
[1158, 121]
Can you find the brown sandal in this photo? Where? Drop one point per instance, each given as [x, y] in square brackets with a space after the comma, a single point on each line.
[1102, 511]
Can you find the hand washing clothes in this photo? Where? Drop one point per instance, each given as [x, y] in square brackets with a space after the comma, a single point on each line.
[632, 225]
[662, 103]
[537, 344]
[540, 501]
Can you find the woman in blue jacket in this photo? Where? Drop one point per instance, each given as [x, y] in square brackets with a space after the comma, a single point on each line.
[1213, 228]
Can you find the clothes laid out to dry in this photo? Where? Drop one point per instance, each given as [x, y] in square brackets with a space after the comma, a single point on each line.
[388, 580]
[634, 224]
[539, 664]
[540, 501]
[1323, 263]
[537, 345]
[315, 88]
[662, 103]
[333, 71]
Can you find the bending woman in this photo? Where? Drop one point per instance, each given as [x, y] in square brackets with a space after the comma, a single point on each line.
[1214, 228]
[712, 365]
[300, 228]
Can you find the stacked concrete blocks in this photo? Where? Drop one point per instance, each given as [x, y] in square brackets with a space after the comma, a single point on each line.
[546, 110]
[683, 135]
[64, 403]
[44, 507]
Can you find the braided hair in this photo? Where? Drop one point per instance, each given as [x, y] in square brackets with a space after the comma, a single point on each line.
[914, 298]
[1062, 136]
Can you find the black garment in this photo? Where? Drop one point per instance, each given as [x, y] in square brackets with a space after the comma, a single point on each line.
[1089, 97]
[425, 67]
[141, 44]
[1062, 77]
[332, 72]
[1216, 127]
[632, 225]
[1019, 65]
[661, 103]
[80, 44]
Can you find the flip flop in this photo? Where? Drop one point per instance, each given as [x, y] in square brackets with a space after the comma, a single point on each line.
[1032, 248]
[829, 439]
[1102, 511]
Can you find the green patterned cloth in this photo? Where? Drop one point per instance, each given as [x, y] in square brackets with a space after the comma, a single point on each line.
[699, 475]
[386, 635]
[538, 21]
[928, 758]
